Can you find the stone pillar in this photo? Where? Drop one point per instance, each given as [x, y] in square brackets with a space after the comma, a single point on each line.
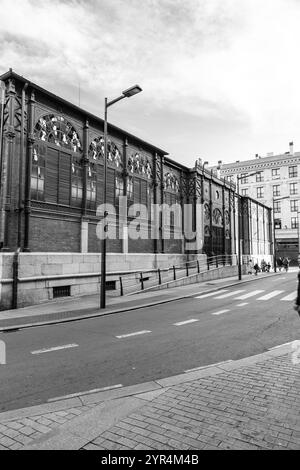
[84, 246]
[123, 227]
[30, 143]
[162, 199]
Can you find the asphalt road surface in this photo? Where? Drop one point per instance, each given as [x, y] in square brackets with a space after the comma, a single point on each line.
[148, 344]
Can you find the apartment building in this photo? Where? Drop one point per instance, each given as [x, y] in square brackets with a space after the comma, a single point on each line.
[273, 180]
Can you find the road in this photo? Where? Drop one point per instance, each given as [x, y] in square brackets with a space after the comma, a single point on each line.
[147, 344]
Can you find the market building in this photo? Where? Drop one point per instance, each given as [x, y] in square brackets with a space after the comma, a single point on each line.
[52, 191]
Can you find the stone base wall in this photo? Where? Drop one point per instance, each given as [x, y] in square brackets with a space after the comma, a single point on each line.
[39, 273]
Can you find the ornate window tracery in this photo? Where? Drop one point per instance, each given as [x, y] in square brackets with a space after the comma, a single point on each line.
[171, 181]
[57, 130]
[206, 231]
[217, 217]
[207, 210]
[114, 155]
[139, 164]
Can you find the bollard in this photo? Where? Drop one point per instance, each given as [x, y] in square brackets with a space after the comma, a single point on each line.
[121, 287]
[159, 276]
[187, 269]
[174, 271]
[198, 266]
[142, 282]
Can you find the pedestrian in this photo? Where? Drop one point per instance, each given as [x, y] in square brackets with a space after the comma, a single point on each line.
[256, 268]
[286, 262]
[268, 267]
[297, 303]
[279, 263]
[263, 265]
[250, 268]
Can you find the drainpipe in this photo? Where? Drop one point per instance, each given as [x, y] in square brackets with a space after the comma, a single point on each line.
[21, 164]
[15, 279]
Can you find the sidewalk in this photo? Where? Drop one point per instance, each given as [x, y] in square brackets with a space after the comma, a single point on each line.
[88, 306]
[252, 403]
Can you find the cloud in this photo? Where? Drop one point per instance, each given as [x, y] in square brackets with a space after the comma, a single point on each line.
[228, 65]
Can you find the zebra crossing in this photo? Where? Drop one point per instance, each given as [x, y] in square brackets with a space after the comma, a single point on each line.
[257, 294]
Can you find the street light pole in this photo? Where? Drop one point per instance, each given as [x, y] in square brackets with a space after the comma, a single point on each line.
[125, 94]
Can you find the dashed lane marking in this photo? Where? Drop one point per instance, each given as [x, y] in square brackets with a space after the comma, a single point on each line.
[193, 320]
[250, 294]
[57, 348]
[243, 304]
[271, 295]
[220, 312]
[230, 294]
[137, 333]
[210, 294]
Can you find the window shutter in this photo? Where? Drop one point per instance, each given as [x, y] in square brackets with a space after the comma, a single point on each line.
[51, 183]
[136, 190]
[64, 179]
[110, 189]
[100, 180]
[144, 192]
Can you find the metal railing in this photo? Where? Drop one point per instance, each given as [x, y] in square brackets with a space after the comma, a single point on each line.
[140, 280]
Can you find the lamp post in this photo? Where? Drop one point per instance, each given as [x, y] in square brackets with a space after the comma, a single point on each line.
[274, 241]
[125, 94]
[238, 219]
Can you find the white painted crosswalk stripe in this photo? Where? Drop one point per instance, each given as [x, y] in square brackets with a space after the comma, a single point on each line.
[290, 297]
[270, 295]
[193, 320]
[210, 294]
[242, 304]
[229, 294]
[250, 294]
[220, 312]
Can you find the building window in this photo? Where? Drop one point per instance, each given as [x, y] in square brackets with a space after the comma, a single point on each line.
[293, 171]
[38, 174]
[277, 207]
[130, 187]
[259, 177]
[77, 184]
[294, 222]
[119, 186]
[275, 172]
[244, 178]
[294, 206]
[277, 224]
[276, 190]
[245, 192]
[91, 187]
[293, 188]
[56, 130]
[260, 192]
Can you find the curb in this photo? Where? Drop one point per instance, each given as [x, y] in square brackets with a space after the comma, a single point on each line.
[120, 310]
[109, 410]
[154, 387]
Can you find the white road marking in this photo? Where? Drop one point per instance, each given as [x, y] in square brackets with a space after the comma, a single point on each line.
[57, 348]
[206, 367]
[210, 294]
[243, 304]
[220, 312]
[279, 279]
[290, 297]
[250, 294]
[193, 320]
[229, 294]
[270, 295]
[137, 333]
[89, 392]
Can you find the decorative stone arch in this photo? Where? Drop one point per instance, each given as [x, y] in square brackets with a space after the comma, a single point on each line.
[55, 129]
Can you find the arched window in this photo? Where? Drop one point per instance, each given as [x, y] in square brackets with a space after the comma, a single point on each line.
[57, 130]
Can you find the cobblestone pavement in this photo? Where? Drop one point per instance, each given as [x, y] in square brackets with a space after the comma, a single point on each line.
[254, 407]
[17, 433]
[245, 405]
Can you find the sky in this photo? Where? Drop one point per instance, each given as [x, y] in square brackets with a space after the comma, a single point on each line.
[220, 78]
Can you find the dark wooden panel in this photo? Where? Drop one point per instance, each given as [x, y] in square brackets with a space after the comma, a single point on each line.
[64, 179]
[51, 183]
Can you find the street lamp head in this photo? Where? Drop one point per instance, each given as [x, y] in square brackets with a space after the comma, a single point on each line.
[134, 90]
